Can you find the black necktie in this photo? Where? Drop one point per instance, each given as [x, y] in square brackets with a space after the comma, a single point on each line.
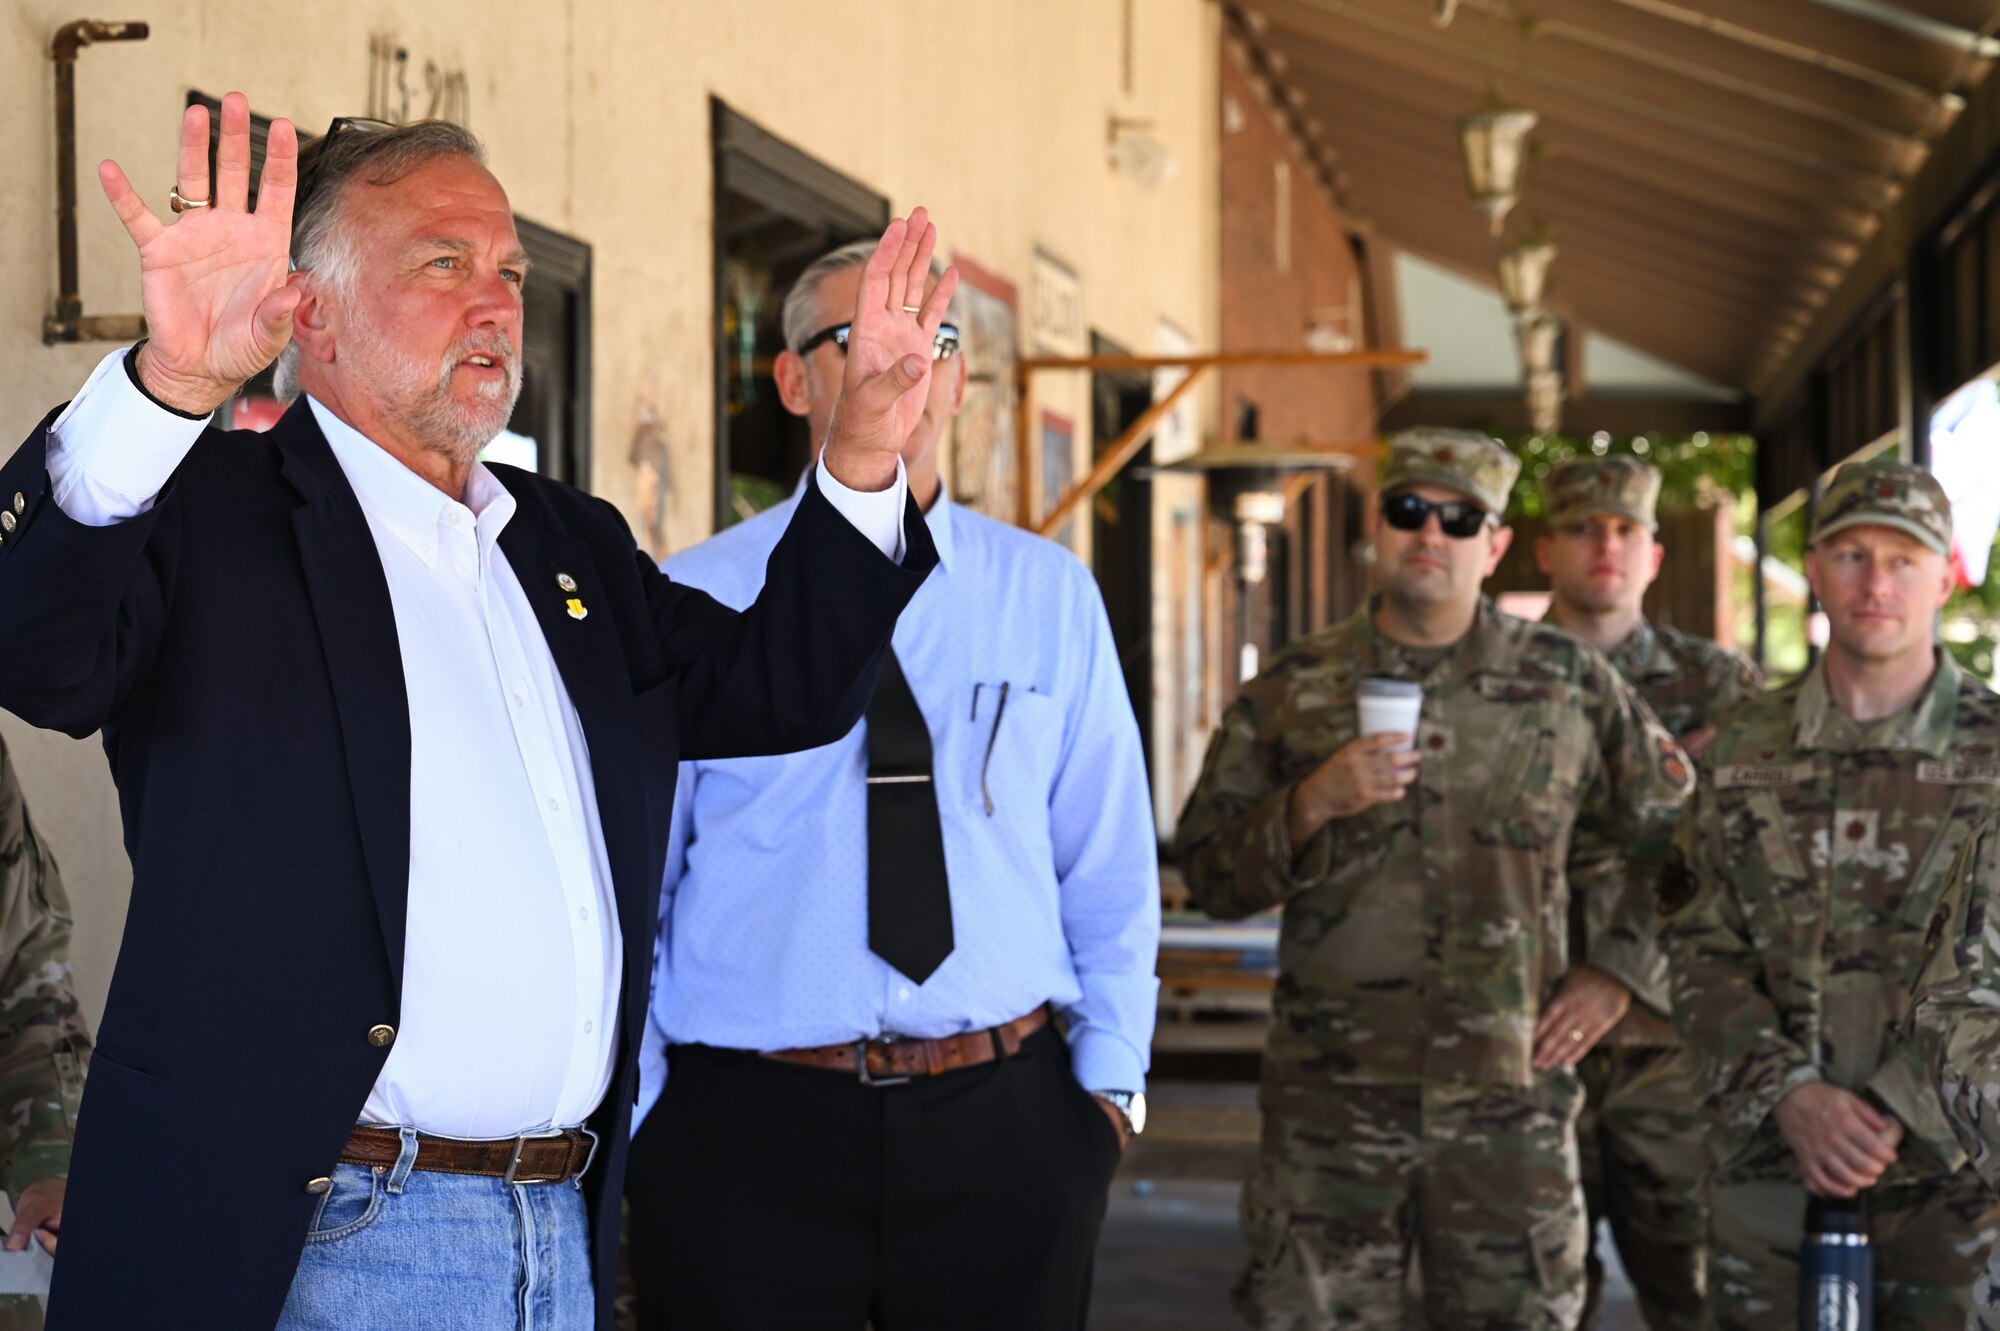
[909, 899]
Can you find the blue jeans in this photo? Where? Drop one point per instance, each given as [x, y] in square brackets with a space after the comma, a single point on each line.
[397, 1250]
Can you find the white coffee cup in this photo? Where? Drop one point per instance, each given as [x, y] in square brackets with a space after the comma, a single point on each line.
[1390, 706]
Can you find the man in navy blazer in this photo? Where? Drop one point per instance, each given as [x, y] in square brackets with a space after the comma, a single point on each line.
[388, 727]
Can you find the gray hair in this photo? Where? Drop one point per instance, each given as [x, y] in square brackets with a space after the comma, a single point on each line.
[321, 241]
[796, 319]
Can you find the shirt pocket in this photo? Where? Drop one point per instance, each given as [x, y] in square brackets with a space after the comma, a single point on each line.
[1014, 750]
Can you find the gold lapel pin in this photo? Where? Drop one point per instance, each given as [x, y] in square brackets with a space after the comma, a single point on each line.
[566, 582]
[576, 610]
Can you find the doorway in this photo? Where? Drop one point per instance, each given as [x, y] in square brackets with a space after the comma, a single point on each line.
[776, 210]
[1122, 531]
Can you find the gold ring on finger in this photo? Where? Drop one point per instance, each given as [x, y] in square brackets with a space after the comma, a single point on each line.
[181, 203]
[913, 309]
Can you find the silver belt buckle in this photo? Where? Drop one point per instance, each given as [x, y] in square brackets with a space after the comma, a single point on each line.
[521, 1145]
[861, 1062]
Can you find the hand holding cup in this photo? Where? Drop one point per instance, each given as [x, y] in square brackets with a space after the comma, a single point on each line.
[1377, 768]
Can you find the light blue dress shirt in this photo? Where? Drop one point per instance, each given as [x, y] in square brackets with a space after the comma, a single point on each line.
[1054, 894]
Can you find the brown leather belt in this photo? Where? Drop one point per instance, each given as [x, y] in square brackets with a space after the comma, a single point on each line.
[892, 1060]
[542, 1157]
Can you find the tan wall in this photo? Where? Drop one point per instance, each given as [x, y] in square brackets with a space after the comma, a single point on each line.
[596, 116]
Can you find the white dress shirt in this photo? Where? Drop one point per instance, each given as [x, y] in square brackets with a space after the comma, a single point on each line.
[511, 965]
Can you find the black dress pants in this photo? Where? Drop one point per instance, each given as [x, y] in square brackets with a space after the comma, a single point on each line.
[771, 1197]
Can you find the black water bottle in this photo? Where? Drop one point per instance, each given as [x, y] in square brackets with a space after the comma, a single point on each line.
[1836, 1267]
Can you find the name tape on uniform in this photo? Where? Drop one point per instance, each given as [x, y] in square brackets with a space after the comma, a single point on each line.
[1738, 775]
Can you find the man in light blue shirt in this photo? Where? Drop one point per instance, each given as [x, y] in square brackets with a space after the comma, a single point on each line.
[847, 1140]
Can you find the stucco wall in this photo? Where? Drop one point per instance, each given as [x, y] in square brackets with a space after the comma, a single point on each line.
[596, 116]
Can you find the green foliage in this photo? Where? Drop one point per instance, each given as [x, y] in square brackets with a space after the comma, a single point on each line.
[1690, 465]
[750, 495]
[1972, 623]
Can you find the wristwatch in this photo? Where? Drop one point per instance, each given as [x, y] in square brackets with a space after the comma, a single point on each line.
[1131, 1106]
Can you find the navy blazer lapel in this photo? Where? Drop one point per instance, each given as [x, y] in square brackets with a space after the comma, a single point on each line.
[572, 605]
[364, 657]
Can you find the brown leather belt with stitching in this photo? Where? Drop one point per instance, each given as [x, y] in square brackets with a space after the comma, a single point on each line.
[892, 1060]
[553, 1157]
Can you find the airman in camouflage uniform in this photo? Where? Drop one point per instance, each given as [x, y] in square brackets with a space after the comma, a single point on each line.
[1806, 872]
[43, 1040]
[1955, 1020]
[1425, 924]
[1640, 1137]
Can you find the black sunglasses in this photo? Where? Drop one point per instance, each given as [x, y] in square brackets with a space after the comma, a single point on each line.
[1408, 512]
[943, 347]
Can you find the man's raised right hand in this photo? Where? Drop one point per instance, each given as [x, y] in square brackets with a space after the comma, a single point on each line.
[215, 282]
[1372, 770]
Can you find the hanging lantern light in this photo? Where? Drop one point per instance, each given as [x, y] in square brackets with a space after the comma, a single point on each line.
[1536, 332]
[1524, 273]
[1495, 140]
[1545, 400]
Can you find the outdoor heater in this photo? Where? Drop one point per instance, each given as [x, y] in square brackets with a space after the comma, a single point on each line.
[1246, 488]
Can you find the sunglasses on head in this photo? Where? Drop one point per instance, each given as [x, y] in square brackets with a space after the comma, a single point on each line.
[943, 347]
[309, 173]
[1408, 512]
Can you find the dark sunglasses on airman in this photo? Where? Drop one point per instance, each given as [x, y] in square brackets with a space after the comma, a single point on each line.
[943, 347]
[1408, 512]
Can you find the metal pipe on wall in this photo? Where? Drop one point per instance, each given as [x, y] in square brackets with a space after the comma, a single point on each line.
[69, 323]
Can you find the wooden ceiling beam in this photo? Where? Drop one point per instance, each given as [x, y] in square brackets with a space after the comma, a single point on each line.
[1784, 77]
[1836, 36]
[1564, 115]
[1374, 168]
[1585, 258]
[1670, 236]
[1755, 222]
[1399, 31]
[1969, 17]
[1583, 278]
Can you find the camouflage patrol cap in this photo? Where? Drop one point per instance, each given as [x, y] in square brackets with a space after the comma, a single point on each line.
[1475, 465]
[1886, 492]
[1588, 486]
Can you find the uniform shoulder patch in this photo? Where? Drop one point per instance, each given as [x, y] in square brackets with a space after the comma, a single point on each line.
[1673, 765]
